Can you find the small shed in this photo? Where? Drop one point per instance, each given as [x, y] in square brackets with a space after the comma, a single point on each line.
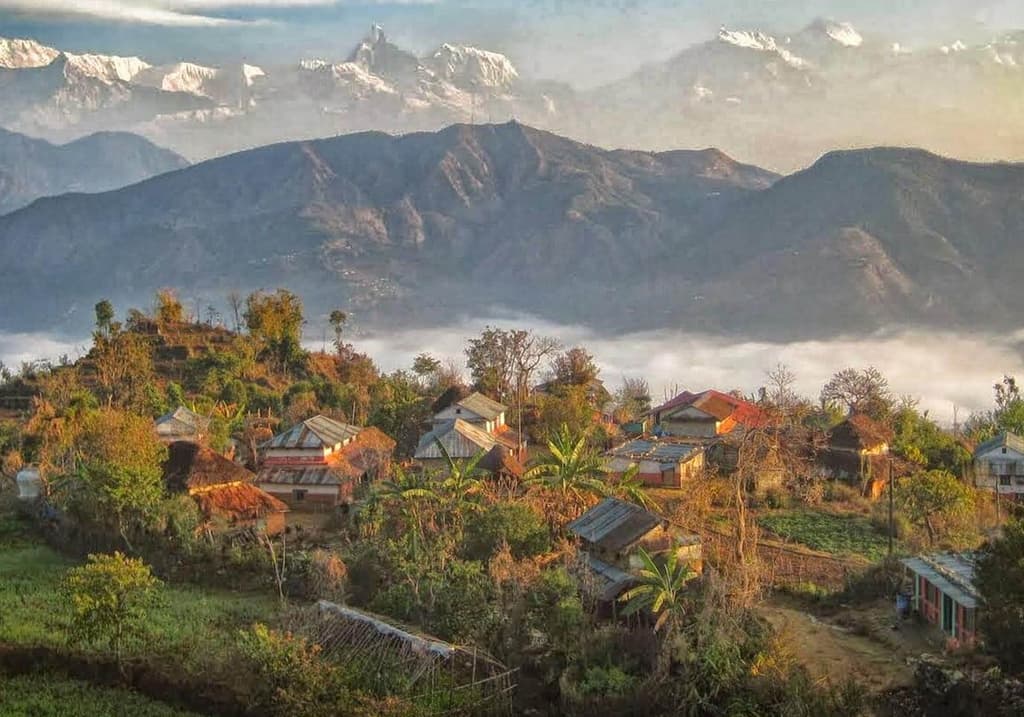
[30, 483]
[182, 424]
[944, 592]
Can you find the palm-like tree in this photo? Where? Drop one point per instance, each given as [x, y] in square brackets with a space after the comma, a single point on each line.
[463, 478]
[660, 589]
[408, 491]
[630, 488]
[571, 470]
[461, 484]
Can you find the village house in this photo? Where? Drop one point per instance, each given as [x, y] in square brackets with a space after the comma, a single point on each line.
[318, 463]
[224, 491]
[999, 465]
[467, 428]
[182, 424]
[611, 534]
[857, 450]
[660, 463]
[708, 414]
[944, 593]
[462, 441]
[476, 409]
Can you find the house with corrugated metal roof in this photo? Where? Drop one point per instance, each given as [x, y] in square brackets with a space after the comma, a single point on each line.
[475, 408]
[611, 534]
[182, 424]
[661, 463]
[944, 593]
[999, 465]
[467, 428]
[707, 414]
[319, 462]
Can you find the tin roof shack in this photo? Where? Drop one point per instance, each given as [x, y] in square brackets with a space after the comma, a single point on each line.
[224, 491]
[999, 465]
[944, 593]
[611, 534]
[182, 424]
[661, 463]
[857, 450]
[707, 414]
[318, 463]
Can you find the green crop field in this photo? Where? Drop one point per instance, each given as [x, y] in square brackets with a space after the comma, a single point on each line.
[848, 535]
[52, 696]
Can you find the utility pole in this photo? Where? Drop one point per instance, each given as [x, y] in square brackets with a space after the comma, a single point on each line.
[890, 507]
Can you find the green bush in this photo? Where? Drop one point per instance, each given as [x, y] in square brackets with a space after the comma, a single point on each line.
[513, 523]
[607, 681]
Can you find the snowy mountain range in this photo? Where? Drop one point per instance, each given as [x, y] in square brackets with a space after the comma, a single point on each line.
[779, 100]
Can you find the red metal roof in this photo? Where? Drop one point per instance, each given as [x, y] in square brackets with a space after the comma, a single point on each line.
[717, 404]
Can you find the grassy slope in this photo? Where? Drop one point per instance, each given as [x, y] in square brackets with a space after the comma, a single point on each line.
[52, 696]
[189, 628]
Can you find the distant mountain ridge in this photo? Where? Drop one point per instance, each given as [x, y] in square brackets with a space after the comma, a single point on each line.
[779, 100]
[430, 226]
[33, 168]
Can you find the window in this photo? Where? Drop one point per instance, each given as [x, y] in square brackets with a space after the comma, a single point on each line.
[1019, 480]
[1004, 480]
[299, 494]
[1003, 451]
[969, 620]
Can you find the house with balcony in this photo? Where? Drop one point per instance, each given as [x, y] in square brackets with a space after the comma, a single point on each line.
[999, 465]
[318, 463]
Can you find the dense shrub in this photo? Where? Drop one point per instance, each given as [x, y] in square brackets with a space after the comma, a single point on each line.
[516, 524]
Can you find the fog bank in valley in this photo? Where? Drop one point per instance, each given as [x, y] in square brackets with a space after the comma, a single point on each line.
[943, 370]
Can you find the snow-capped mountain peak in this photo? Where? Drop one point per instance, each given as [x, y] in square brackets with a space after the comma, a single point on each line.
[463, 65]
[756, 40]
[109, 68]
[843, 33]
[250, 73]
[16, 53]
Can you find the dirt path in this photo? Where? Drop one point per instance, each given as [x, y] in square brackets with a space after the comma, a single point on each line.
[834, 653]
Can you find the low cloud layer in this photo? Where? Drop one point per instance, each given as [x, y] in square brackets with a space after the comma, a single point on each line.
[943, 370]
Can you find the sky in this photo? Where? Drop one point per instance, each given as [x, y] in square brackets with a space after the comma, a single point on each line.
[584, 42]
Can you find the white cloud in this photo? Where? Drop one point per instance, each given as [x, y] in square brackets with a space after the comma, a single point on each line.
[173, 13]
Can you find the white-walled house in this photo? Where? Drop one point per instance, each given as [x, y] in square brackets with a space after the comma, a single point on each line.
[475, 408]
[999, 465]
